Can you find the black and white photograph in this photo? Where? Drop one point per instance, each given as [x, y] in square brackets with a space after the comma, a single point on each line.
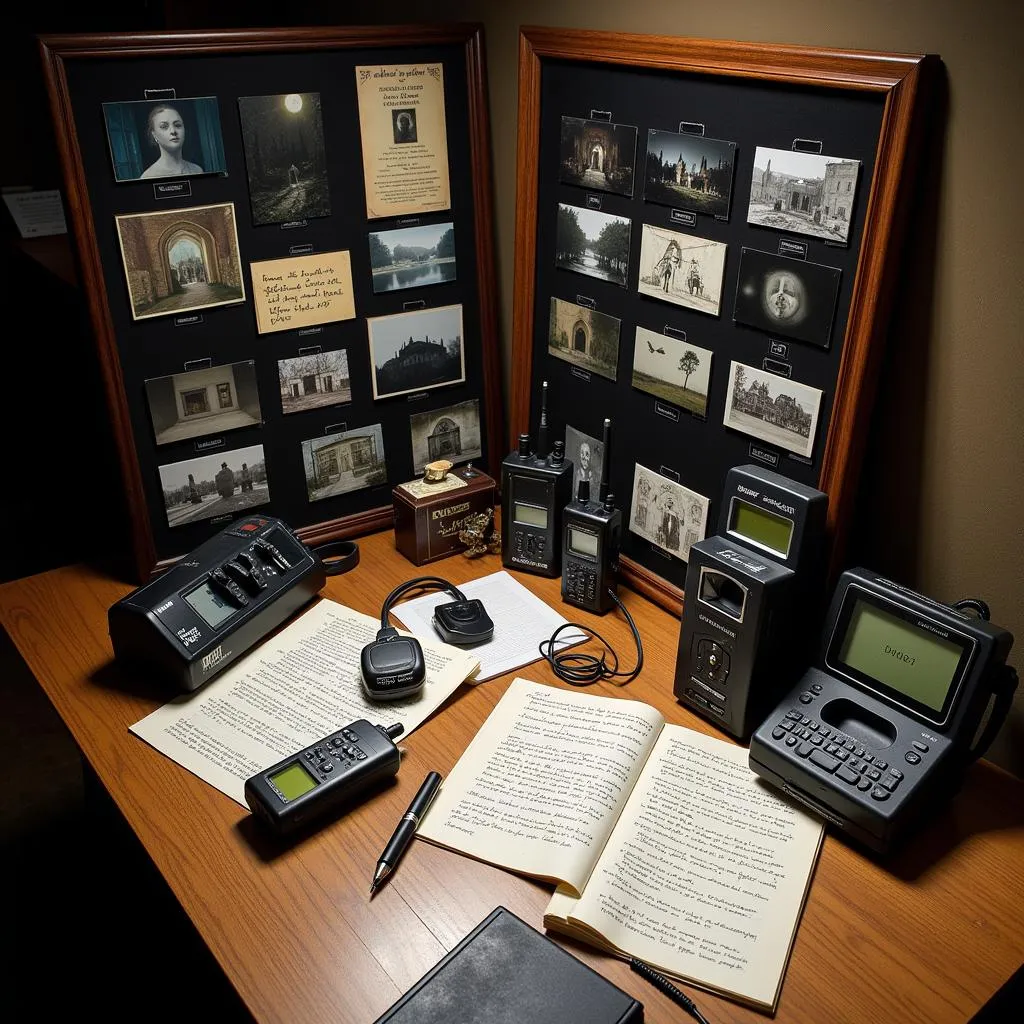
[584, 337]
[666, 513]
[587, 455]
[347, 461]
[285, 157]
[412, 257]
[598, 155]
[314, 380]
[167, 139]
[682, 269]
[786, 296]
[403, 124]
[452, 433]
[689, 172]
[177, 261]
[198, 403]
[774, 409]
[416, 351]
[803, 193]
[592, 243]
[672, 370]
[223, 484]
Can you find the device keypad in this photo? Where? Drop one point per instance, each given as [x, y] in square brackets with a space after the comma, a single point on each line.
[336, 753]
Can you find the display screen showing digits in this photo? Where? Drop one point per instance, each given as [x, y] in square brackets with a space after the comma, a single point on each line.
[293, 781]
[900, 655]
[583, 542]
[761, 526]
[531, 515]
[212, 608]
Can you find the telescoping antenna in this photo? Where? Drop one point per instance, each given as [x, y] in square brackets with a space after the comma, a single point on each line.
[603, 495]
[542, 429]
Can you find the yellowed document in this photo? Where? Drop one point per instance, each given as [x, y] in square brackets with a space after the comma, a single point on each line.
[299, 686]
[404, 138]
[302, 291]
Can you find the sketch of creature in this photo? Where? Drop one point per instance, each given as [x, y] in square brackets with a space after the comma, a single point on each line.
[659, 349]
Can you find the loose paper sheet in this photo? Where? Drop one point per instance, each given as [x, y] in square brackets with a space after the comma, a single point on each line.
[37, 213]
[404, 137]
[298, 687]
[302, 291]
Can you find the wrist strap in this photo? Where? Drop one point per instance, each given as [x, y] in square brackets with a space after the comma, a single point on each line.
[338, 556]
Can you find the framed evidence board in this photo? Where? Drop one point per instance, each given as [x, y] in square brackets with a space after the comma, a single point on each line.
[707, 237]
[285, 241]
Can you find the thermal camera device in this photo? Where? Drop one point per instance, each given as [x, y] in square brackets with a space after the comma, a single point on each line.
[752, 598]
[190, 623]
[535, 487]
[307, 786]
[591, 537]
[881, 727]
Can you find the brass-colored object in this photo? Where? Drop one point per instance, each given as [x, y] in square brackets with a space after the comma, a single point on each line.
[474, 534]
[435, 472]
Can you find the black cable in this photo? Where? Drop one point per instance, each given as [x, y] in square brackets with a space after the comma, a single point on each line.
[975, 604]
[419, 583]
[580, 669]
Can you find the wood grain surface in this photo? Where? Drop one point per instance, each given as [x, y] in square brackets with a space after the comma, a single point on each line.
[928, 936]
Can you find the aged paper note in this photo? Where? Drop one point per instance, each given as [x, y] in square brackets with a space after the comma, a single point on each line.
[405, 142]
[302, 291]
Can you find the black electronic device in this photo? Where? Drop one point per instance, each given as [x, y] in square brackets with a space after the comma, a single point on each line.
[882, 726]
[392, 666]
[211, 607]
[753, 594]
[325, 776]
[591, 536]
[535, 487]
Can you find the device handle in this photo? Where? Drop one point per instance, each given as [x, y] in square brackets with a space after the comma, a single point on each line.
[338, 556]
[1004, 687]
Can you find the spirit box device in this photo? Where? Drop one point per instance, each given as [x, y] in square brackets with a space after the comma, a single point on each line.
[882, 726]
[325, 776]
[193, 621]
[592, 534]
[535, 487]
[752, 597]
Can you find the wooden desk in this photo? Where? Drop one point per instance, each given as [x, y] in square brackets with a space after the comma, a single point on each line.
[930, 938]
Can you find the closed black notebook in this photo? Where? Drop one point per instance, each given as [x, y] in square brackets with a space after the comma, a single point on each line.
[505, 972]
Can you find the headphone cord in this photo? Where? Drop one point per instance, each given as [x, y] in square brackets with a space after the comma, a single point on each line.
[419, 583]
[580, 669]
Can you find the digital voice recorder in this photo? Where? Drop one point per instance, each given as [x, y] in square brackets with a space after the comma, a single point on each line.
[753, 594]
[591, 535]
[535, 487]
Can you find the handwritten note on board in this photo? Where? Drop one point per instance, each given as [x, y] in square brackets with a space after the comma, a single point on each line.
[302, 291]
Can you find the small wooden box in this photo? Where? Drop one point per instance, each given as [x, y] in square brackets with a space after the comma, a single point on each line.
[428, 517]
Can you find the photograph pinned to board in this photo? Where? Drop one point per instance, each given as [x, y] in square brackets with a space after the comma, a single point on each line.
[404, 139]
[592, 243]
[198, 403]
[416, 351]
[285, 157]
[314, 380]
[587, 456]
[782, 295]
[682, 269]
[669, 515]
[179, 261]
[302, 291]
[803, 193]
[584, 337]
[451, 432]
[222, 484]
[412, 257]
[672, 370]
[349, 460]
[774, 409]
[165, 139]
[597, 155]
[689, 172]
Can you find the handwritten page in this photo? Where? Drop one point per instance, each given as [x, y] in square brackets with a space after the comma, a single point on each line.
[521, 621]
[299, 686]
[302, 291]
[541, 785]
[706, 874]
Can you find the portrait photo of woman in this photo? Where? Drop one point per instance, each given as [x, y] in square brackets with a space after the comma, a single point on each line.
[165, 139]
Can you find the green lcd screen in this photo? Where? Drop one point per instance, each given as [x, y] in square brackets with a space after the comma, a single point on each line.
[293, 781]
[762, 527]
[904, 657]
[531, 515]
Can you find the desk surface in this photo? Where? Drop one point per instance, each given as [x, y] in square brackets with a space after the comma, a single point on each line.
[929, 938]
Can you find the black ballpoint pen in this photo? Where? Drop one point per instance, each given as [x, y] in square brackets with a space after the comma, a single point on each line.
[659, 980]
[406, 829]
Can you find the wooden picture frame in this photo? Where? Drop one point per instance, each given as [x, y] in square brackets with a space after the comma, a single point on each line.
[743, 91]
[82, 71]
